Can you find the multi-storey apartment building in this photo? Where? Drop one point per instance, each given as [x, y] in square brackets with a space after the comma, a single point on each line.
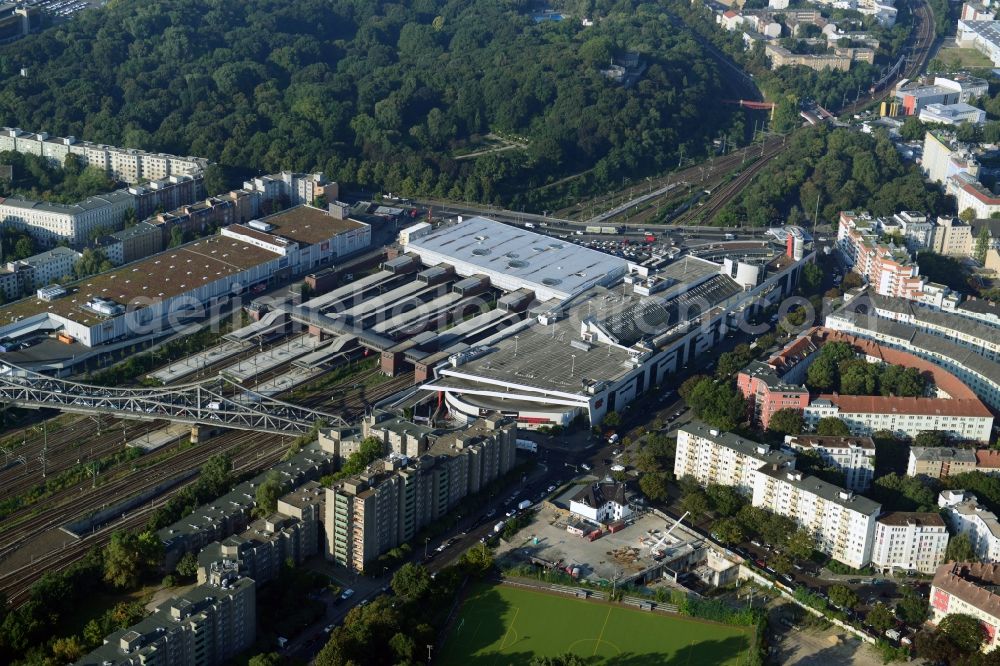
[125, 164]
[968, 588]
[291, 533]
[842, 523]
[965, 516]
[724, 458]
[766, 392]
[943, 157]
[46, 268]
[963, 347]
[909, 541]
[52, 223]
[888, 269]
[965, 419]
[970, 193]
[387, 505]
[939, 462]
[298, 188]
[854, 456]
[209, 625]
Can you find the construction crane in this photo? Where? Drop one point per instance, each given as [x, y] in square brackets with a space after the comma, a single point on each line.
[657, 547]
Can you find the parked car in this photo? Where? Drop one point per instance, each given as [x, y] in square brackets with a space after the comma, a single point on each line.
[347, 594]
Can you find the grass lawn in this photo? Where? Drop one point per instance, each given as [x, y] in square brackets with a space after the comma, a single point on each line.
[501, 625]
[956, 57]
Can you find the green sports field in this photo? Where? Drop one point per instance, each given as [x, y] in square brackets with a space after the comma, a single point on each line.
[501, 625]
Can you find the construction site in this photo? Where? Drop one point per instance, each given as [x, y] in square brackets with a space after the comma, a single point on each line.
[642, 550]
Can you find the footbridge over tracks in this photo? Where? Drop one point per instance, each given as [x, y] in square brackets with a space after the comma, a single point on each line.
[217, 401]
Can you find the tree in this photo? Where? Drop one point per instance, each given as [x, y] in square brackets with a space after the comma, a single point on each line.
[68, 649]
[187, 566]
[268, 493]
[982, 245]
[403, 647]
[91, 262]
[215, 180]
[128, 555]
[477, 561]
[967, 215]
[822, 375]
[842, 596]
[718, 404]
[832, 426]
[724, 500]
[786, 421]
[411, 582]
[959, 549]
[696, 503]
[931, 438]
[800, 544]
[266, 659]
[176, 237]
[964, 631]
[688, 385]
[654, 486]
[912, 608]
[728, 531]
[812, 279]
[24, 248]
[912, 129]
[880, 618]
[852, 281]
[612, 420]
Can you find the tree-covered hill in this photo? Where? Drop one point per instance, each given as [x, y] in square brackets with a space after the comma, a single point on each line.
[836, 169]
[384, 95]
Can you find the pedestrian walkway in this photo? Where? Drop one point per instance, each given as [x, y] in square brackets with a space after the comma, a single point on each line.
[196, 362]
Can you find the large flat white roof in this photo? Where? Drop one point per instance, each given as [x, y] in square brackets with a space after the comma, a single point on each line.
[552, 267]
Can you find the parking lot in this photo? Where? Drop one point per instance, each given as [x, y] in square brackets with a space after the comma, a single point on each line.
[808, 644]
[610, 557]
[62, 8]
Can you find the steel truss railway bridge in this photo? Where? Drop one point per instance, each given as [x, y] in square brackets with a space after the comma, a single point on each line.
[215, 402]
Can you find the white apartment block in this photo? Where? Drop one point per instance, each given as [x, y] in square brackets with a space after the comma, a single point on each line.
[714, 457]
[854, 456]
[51, 223]
[46, 268]
[969, 588]
[966, 516]
[124, 164]
[842, 523]
[953, 237]
[970, 193]
[943, 158]
[909, 542]
[865, 415]
[299, 188]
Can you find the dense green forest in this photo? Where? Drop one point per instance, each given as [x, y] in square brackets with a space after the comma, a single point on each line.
[377, 94]
[845, 170]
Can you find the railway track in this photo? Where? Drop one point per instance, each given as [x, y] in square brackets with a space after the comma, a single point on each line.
[79, 443]
[16, 583]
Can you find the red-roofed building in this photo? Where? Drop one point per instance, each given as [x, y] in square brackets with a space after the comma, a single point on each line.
[988, 461]
[776, 385]
[967, 588]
